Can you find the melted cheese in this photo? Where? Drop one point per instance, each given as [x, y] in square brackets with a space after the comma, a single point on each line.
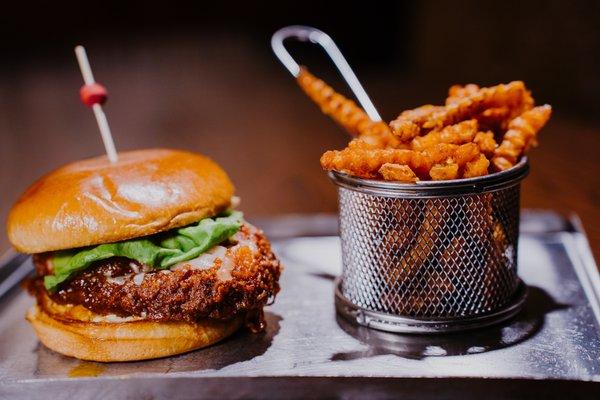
[139, 278]
[224, 271]
[117, 280]
[225, 255]
[204, 261]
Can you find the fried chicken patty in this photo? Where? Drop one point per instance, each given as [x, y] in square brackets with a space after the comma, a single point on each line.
[240, 281]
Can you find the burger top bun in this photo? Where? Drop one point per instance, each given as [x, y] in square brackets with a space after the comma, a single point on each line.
[92, 201]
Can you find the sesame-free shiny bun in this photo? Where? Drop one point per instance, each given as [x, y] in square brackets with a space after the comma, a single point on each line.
[93, 201]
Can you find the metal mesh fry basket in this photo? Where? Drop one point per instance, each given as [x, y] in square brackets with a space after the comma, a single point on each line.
[430, 257]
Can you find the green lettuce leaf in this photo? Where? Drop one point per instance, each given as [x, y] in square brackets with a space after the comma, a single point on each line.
[159, 251]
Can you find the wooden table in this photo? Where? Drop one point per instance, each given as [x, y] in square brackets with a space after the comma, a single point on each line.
[243, 110]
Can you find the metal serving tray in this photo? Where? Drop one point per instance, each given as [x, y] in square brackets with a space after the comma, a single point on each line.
[551, 349]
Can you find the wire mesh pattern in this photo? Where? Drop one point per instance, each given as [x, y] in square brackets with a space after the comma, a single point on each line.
[448, 256]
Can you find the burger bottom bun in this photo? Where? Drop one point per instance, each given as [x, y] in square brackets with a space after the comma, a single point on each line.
[126, 341]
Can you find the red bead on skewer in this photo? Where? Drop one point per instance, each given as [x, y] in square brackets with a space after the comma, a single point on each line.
[93, 94]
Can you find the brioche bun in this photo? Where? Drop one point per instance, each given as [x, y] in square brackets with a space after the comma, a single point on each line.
[126, 341]
[93, 201]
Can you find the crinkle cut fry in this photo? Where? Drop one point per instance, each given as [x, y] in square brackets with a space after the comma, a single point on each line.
[521, 135]
[490, 118]
[477, 167]
[408, 124]
[426, 239]
[365, 162]
[460, 133]
[405, 130]
[345, 112]
[490, 230]
[513, 95]
[378, 135]
[451, 147]
[439, 153]
[486, 142]
[494, 118]
[444, 172]
[445, 152]
[398, 173]
[463, 103]
[479, 222]
[457, 92]
[401, 230]
[449, 160]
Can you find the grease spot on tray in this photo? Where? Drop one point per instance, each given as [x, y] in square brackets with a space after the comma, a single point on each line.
[86, 369]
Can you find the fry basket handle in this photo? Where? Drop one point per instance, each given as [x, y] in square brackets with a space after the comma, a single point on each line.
[313, 35]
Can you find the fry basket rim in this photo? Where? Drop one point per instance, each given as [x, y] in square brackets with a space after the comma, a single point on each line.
[480, 184]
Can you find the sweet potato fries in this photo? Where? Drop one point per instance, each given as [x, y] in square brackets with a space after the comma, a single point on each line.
[477, 131]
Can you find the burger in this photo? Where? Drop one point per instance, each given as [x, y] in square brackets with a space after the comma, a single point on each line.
[143, 258]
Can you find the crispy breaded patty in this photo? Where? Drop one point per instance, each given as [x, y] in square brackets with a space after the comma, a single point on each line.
[242, 278]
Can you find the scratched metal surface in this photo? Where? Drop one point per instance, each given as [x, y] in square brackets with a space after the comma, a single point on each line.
[556, 337]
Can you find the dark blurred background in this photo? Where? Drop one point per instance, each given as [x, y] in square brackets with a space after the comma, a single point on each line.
[201, 76]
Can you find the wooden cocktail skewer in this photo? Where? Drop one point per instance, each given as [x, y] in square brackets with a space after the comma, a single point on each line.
[94, 95]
